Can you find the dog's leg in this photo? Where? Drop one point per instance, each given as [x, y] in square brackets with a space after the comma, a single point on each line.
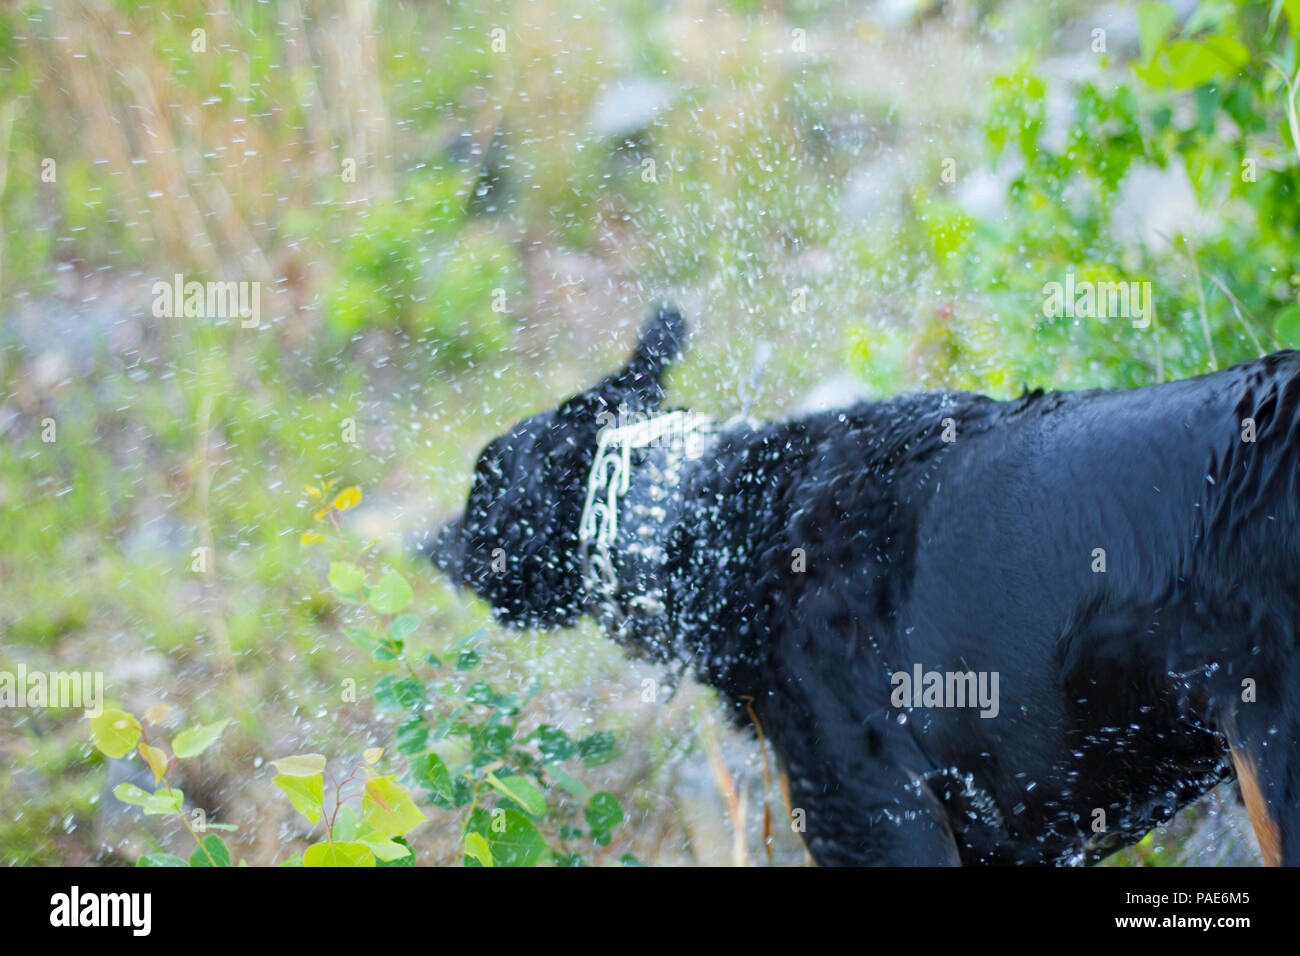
[856, 790]
[1266, 828]
[884, 816]
[852, 796]
[1264, 740]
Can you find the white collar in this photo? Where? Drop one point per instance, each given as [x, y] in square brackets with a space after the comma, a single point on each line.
[682, 436]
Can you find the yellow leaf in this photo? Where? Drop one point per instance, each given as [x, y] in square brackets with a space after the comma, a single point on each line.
[373, 754]
[477, 847]
[192, 742]
[387, 807]
[375, 793]
[320, 515]
[157, 713]
[307, 794]
[338, 854]
[347, 498]
[156, 759]
[300, 765]
[310, 537]
[115, 733]
[314, 492]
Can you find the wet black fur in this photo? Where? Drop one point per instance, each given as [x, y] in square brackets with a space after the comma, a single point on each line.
[1118, 690]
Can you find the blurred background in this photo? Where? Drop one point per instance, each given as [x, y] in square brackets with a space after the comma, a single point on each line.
[458, 215]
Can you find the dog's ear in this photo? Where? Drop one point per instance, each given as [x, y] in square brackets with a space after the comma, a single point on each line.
[640, 383]
[662, 340]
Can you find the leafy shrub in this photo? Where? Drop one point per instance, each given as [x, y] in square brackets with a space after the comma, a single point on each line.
[1211, 98]
[460, 737]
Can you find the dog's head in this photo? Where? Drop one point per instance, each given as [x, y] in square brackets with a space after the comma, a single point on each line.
[516, 544]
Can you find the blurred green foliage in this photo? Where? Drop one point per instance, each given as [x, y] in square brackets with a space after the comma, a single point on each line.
[448, 239]
[419, 265]
[1210, 98]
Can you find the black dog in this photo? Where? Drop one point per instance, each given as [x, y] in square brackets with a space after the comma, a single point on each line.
[976, 631]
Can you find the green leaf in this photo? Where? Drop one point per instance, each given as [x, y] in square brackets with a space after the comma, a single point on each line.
[1154, 23]
[598, 748]
[603, 811]
[346, 578]
[403, 626]
[385, 849]
[346, 825]
[115, 733]
[518, 842]
[473, 637]
[428, 771]
[307, 794]
[1188, 63]
[553, 743]
[338, 854]
[160, 859]
[1286, 326]
[391, 594]
[1292, 8]
[163, 801]
[568, 783]
[522, 791]
[388, 807]
[476, 848]
[364, 638]
[218, 854]
[191, 743]
[492, 740]
[413, 736]
[467, 660]
[407, 859]
[300, 765]
[397, 694]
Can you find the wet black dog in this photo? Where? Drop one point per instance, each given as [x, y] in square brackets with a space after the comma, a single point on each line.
[975, 631]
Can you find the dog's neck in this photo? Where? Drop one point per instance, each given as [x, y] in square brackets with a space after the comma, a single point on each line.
[633, 502]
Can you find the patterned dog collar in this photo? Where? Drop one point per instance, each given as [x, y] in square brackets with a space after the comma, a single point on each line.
[624, 526]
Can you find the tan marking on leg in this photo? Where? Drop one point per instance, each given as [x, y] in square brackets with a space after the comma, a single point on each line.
[1266, 832]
